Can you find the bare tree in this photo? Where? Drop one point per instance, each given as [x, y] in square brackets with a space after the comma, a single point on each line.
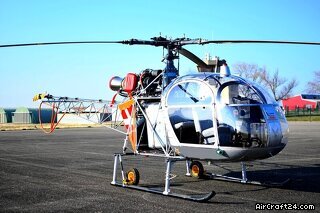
[250, 71]
[314, 85]
[279, 87]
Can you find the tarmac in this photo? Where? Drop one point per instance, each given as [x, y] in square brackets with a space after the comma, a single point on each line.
[71, 170]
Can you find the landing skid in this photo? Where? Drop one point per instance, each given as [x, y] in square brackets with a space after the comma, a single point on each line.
[242, 180]
[166, 192]
[239, 180]
[195, 198]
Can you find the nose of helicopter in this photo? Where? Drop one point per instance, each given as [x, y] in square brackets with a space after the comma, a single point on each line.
[260, 140]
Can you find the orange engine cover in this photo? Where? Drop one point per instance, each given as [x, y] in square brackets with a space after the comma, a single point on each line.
[130, 82]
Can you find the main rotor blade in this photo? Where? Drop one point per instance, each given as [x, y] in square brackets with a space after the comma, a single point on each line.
[62, 43]
[257, 42]
[165, 43]
[192, 57]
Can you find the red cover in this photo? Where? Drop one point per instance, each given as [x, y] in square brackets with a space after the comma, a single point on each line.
[130, 82]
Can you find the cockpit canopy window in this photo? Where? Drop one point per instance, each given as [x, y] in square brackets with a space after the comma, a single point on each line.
[191, 113]
[269, 98]
[190, 93]
[239, 93]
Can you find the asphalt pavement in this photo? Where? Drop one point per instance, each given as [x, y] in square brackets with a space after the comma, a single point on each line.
[71, 170]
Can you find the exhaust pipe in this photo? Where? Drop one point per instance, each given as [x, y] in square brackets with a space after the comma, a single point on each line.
[115, 83]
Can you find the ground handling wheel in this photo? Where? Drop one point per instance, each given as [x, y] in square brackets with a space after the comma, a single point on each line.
[132, 177]
[197, 169]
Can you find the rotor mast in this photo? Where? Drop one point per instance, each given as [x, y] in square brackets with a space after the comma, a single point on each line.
[170, 71]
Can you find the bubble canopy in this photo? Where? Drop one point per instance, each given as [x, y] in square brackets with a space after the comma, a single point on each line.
[229, 111]
[193, 86]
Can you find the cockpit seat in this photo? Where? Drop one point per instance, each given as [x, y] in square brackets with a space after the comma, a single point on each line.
[208, 135]
[184, 127]
[184, 124]
[225, 135]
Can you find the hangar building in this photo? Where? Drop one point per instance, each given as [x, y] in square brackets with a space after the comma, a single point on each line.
[310, 101]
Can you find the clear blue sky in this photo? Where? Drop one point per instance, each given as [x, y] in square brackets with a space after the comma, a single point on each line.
[84, 70]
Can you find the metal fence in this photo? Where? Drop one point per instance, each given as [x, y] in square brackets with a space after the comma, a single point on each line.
[302, 111]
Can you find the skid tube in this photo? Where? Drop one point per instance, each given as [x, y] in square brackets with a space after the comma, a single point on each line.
[169, 161]
[244, 179]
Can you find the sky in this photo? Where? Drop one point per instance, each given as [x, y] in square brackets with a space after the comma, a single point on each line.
[84, 70]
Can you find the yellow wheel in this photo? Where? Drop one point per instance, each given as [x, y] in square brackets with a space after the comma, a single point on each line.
[132, 177]
[197, 169]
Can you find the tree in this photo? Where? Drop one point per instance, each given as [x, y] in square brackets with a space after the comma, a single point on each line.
[279, 87]
[314, 85]
[251, 71]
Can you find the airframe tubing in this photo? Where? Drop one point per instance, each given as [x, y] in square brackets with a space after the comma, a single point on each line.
[167, 183]
[243, 178]
[115, 165]
[244, 173]
[188, 168]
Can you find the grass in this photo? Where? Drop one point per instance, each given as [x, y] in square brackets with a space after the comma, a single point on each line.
[303, 118]
[14, 126]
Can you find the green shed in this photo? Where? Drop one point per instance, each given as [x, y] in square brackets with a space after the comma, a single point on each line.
[22, 115]
[3, 116]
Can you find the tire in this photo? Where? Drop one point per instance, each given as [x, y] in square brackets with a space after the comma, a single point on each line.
[132, 177]
[196, 169]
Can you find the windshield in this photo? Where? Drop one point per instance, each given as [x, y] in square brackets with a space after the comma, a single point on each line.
[236, 92]
[241, 122]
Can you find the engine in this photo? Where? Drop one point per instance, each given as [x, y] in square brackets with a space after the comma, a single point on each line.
[147, 83]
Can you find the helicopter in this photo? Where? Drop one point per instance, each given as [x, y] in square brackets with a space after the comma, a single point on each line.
[210, 115]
